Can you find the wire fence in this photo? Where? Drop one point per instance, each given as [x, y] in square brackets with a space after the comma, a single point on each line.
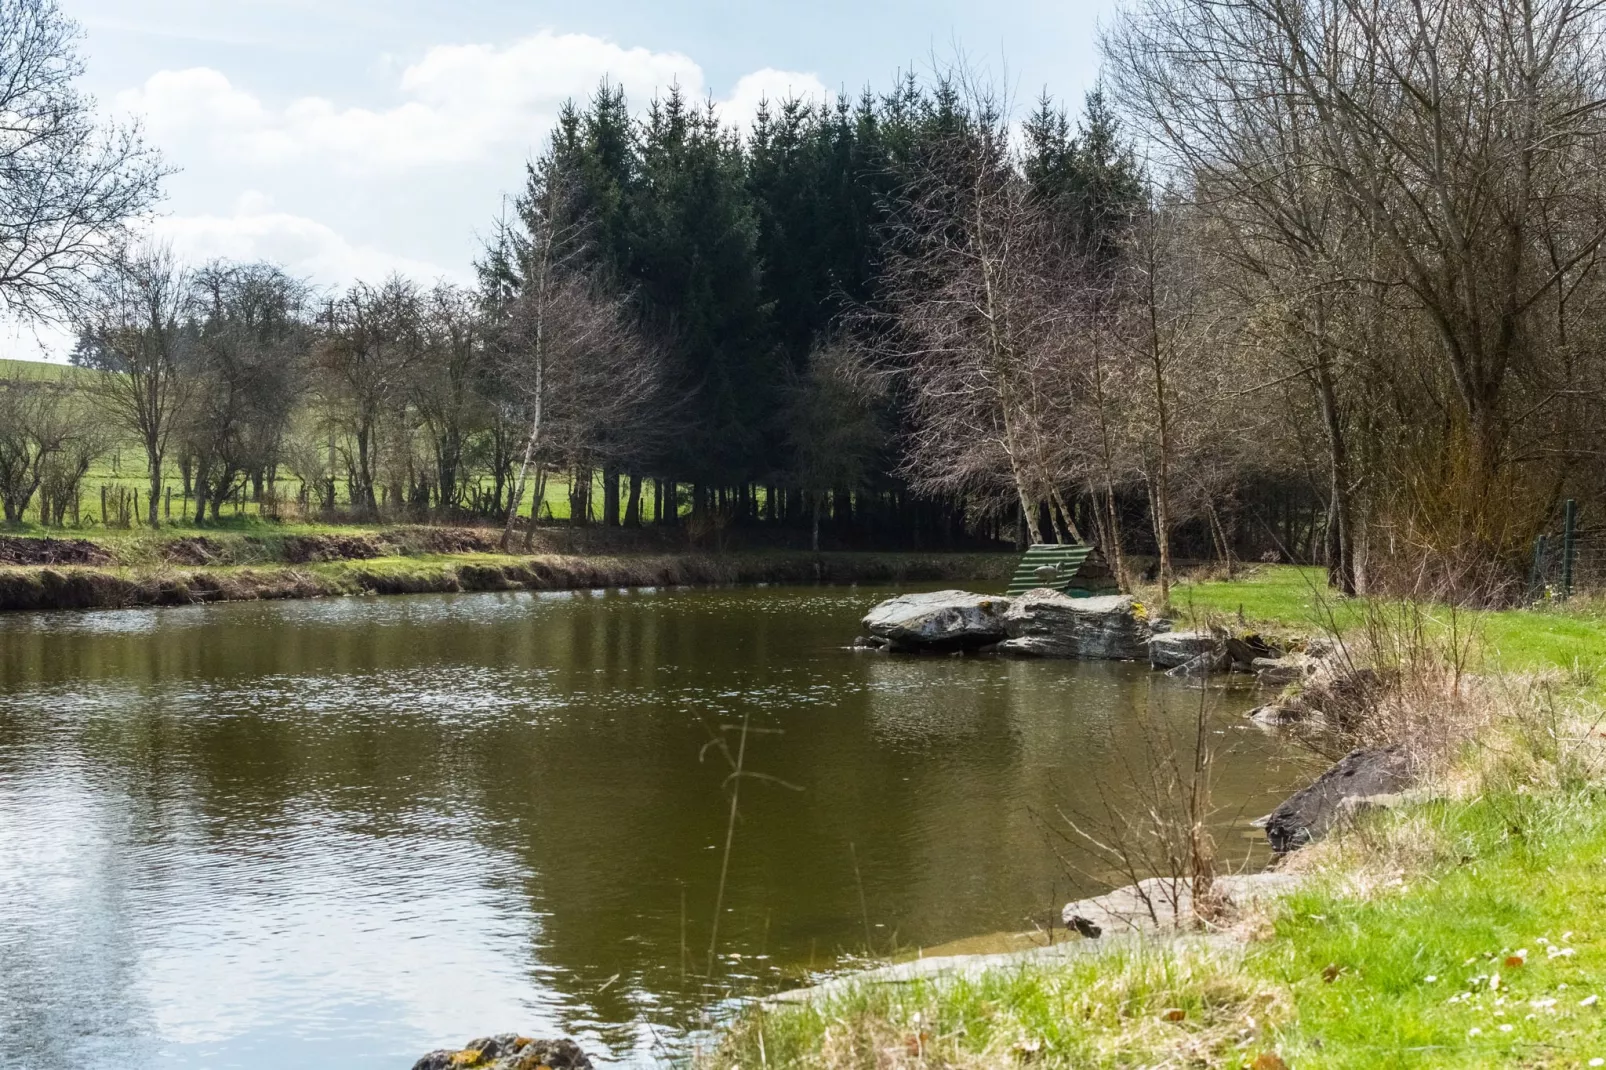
[1569, 561]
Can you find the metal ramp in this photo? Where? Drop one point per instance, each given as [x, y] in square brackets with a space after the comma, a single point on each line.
[1048, 565]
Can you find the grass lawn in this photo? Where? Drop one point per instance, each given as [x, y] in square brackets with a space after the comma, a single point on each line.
[1492, 954]
[1283, 597]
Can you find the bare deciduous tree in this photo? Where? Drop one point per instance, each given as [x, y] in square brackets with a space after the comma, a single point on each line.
[69, 182]
[135, 328]
[978, 298]
[371, 337]
[569, 358]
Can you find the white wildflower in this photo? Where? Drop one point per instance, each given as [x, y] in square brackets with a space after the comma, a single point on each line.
[1589, 1001]
[1474, 1032]
[1430, 978]
[1508, 1027]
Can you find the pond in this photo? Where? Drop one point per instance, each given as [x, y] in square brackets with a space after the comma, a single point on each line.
[341, 833]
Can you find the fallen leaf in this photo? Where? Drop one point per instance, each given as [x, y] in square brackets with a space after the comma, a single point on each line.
[1513, 961]
[1174, 1014]
[1268, 1060]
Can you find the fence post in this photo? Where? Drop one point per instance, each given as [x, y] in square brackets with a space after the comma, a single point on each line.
[1536, 575]
[1569, 547]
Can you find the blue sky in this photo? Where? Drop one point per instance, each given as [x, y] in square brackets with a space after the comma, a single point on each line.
[350, 138]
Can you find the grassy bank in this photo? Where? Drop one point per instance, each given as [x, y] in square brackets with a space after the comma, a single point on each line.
[1372, 966]
[307, 562]
[1464, 927]
[1288, 598]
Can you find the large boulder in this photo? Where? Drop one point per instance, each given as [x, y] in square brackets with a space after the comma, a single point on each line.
[939, 621]
[1309, 813]
[1047, 624]
[1171, 649]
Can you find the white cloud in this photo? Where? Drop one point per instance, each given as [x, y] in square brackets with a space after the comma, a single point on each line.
[455, 105]
[305, 247]
[769, 85]
[340, 189]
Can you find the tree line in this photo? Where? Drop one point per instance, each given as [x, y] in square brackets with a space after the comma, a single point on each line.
[1319, 283]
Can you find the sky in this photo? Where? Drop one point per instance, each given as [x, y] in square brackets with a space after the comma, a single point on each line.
[347, 139]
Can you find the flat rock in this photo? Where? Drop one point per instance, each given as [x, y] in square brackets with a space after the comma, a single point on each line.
[1159, 904]
[1153, 913]
[1168, 650]
[1309, 813]
[1047, 624]
[939, 621]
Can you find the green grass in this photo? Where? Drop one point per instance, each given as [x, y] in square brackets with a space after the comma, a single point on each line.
[1292, 598]
[38, 369]
[1133, 1007]
[1514, 872]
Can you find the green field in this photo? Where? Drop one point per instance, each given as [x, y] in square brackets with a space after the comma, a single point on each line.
[122, 469]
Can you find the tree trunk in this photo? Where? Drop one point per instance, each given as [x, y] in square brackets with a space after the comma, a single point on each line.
[633, 506]
[1340, 526]
[154, 459]
[610, 497]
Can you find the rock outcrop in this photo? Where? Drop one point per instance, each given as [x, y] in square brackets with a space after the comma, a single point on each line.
[508, 1051]
[1309, 813]
[939, 621]
[1047, 624]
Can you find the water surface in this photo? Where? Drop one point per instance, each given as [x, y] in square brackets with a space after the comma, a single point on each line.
[340, 833]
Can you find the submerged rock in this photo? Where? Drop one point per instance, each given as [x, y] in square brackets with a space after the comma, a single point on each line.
[1210, 663]
[938, 621]
[1309, 813]
[1171, 649]
[1048, 624]
[1276, 714]
[508, 1051]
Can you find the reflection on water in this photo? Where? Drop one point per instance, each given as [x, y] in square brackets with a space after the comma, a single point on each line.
[340, 833]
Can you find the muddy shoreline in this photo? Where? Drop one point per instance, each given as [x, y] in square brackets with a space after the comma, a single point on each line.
[363, 567]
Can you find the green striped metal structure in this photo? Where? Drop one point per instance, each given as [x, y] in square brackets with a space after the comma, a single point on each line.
[1049, 565]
